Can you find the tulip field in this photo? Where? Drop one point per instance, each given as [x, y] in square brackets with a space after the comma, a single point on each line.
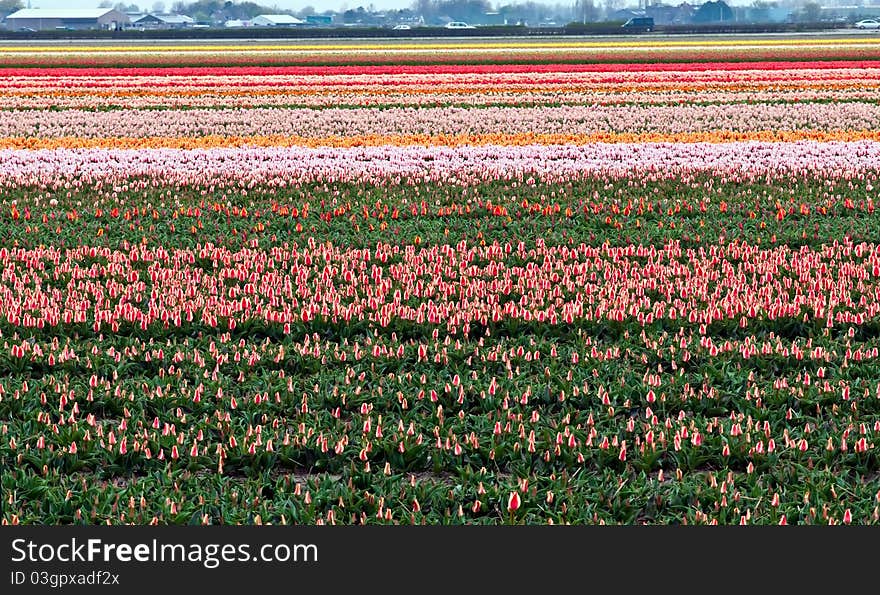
[558, 282]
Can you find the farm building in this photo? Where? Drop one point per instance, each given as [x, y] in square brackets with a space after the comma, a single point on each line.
[164, 21]
[276, 20]
[43, 19]
[319, 19]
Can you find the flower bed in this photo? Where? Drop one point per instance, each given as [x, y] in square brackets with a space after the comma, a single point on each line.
[554, 293]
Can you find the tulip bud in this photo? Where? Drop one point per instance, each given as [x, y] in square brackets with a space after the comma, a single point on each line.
[513, 501]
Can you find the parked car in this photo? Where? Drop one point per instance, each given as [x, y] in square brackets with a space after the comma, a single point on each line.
[401, 28]
[868, 24]
[640, 24]
[459, 25]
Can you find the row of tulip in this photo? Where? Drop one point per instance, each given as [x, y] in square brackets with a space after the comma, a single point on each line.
[466, 164]
[794, 211]
[391, 121]
[599, 77]
[571, 87]
[397, 70]
[380, 410]
[453, 287]
[434, 51]
[473, 96]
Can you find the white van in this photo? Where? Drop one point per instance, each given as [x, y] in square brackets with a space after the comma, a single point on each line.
[459, 25]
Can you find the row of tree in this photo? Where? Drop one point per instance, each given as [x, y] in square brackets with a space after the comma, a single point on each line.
[428, 11]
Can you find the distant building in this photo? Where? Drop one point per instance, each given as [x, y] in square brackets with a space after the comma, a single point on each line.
[164, 21]
[276, 20]
[713, 12]
[767, 14]
[850, 12]
[664, 14]
[47, 19]
[319, 19]
[235, 23]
